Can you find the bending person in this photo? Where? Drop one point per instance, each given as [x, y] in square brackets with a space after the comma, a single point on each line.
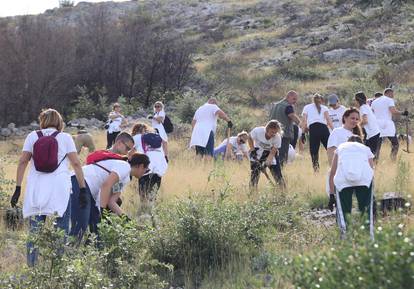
[264, 143]
[236, 147]
[352, 172]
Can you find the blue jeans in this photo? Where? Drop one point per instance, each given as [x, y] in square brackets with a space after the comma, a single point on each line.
[81, 218]
[35, 222]
[220, 150]
[209, 148]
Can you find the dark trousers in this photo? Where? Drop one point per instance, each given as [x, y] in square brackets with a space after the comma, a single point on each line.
[148, 186]
[394, 146]
[283, 150]
[373, 143]
[110, 139]
[318, 133]
[294, 141]
[208, 149]
[363, 195]
[257, 166]
[82, 218]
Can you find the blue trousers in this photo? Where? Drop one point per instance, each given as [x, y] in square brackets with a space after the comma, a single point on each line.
[35, 223]
[82, 218]
[209, 148]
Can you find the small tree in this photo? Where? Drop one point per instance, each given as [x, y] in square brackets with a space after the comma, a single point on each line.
[66, 3]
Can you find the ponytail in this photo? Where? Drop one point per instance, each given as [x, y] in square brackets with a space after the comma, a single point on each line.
[317, 99]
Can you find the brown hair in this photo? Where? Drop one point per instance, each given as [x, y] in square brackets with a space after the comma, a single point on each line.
[137, 159]
[274, 124]
[355, 138]
[124, 137]
[51, 118]
[360, 98]
[357, 129]
[317, 100]
[116, 104]
[139, 128]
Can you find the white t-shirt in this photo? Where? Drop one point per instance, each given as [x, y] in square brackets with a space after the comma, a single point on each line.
[158, 164]
[115, 124]
[371, 128]
[206, 122]
[336, 115]
[353, 166]
[48, 193]
[237, 148]
[313, 116]
[381, 107]
[160, 126]
[263, 144]
[96, 176]
[338, 136]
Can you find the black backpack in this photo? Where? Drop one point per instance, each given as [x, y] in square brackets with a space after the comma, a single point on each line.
[168, 126]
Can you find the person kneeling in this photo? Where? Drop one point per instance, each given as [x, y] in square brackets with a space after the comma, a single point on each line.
[264, 143]
[352, 172]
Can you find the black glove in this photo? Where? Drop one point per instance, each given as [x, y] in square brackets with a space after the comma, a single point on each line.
[405, 113]
[229, 124]
[303, 138]
[332, 202]
[166, 159]
[15, 196]
[253, 154]
[83, 198]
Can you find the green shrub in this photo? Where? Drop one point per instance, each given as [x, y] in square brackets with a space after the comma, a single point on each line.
[91, 104]
[387, 262]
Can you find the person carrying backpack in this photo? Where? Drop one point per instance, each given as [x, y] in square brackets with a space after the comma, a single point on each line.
[149, 143]
[352, 172]
[157, 122]
[48, 185]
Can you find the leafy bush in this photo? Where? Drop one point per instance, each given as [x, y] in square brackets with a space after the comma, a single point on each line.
[299, 69]
[91, 104]
[386, 262]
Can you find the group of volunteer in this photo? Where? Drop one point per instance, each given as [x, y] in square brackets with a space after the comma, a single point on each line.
[352, 137]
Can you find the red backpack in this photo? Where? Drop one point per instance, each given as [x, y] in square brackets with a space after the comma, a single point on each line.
[102, 155]
[45, 152]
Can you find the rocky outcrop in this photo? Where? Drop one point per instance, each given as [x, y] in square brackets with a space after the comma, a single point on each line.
[338, 55]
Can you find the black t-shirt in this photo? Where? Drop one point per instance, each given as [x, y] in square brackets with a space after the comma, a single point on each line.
[289, 109]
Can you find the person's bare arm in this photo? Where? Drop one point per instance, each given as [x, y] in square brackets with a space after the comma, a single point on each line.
[21, 167]
[251, 143]
[371, 162]
[293, 117]
[77, 167]
[106, 187]
[304, 123]
[364, 119]
[331, 152]
[328, 120]
[271, 156]
[193, 123]
[395, 111]
[112, 204]
[332, 174]
[222, 115]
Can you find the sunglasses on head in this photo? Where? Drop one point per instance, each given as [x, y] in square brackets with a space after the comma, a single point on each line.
[126, 146]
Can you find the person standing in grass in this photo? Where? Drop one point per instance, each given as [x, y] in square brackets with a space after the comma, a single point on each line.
[157, 121]
[204, 127]
[264, 143]
[284, 112]
[368, 122]
[317, 122]
[352, 172]
[336, 110]
[384, 109]
[48, 185]
[115, 121]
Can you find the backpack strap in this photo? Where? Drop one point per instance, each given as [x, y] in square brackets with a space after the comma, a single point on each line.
[55, 133]
[102, 167]
[39, 133]
[144, 146]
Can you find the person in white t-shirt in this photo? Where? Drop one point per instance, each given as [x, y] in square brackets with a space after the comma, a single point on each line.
[350, 126]
[352, 172]
[204, 127]
[149, 184]
[264, 143]
[47, 194]
[384, 109]
[317, 122]
[157, 121]
[236, 147]
[115, 122]
[368, 122]
[105, 181]
[336, 110]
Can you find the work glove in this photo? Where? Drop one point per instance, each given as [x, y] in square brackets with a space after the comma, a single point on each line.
[332, 202]
[303, 138]
[253, 154]
[83, 198]
[405, 113]
[166, 159]
[15, 196]
[229, 124]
